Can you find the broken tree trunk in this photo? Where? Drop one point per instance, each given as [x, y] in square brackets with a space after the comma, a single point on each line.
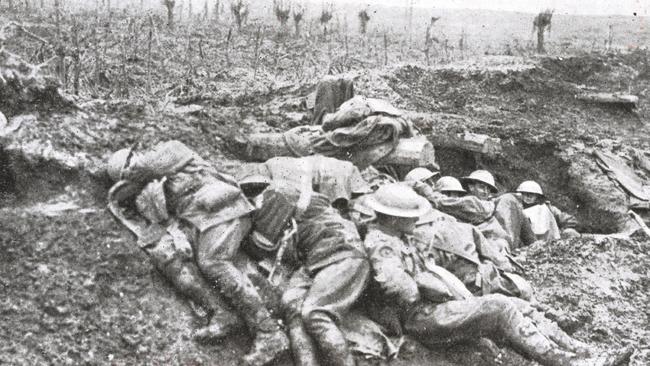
[439, 127]
[623, 100]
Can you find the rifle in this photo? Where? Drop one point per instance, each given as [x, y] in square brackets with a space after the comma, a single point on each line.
[284, 242]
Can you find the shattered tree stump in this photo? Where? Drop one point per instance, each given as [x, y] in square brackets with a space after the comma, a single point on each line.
[23, 87]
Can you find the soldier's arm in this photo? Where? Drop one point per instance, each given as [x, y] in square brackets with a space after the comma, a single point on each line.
[563, 219]
[390, 274]
[467, 209]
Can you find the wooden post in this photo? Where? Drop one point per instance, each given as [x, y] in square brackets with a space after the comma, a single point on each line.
[385, 48]
[258, 43]
[228, 39]
[149, 38]
[76, 55]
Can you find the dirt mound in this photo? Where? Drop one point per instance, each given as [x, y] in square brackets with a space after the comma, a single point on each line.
[77, 291]
[602, 284]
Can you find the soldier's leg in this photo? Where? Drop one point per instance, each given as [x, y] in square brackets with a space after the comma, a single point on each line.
[491, 316]
[302, 346]
[214, 250]
[187, 279]
[510, 214]
[550, 329]
[335, 289]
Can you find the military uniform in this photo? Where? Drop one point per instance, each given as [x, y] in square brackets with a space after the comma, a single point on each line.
[218, 212]
[463, 250]
[336, 179]
[439, 322]
[548, 221]
[500, 220]
[334, 268]
[165, 242]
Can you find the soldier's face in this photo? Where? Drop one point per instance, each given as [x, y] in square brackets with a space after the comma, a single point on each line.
[453, 194]
[480, 190]
[405, 225]
[529, 198]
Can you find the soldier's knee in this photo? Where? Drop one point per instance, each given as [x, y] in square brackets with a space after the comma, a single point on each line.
[207, 263]
[291, 302]
[499, 304]
[186, 278]
[310, 316]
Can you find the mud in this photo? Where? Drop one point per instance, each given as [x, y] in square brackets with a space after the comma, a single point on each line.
[75, 290]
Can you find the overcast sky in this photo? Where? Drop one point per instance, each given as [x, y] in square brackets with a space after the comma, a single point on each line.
[592, 7]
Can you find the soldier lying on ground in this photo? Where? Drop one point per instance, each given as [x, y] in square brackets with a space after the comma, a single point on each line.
[333, 268]
[166, 244]
[218, 214]
[435, 307]
[337, 179]
[547, 221]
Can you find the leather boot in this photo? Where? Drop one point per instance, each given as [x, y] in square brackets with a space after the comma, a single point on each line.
[303, 348]
[607, 358]
[329, 339]
[270, 343]
[220, 326]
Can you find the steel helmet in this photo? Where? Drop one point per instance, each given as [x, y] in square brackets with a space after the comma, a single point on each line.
[398, 200]
[419, 174]
[530, 186]
[117, 162]
[482, 176]
[449, 184]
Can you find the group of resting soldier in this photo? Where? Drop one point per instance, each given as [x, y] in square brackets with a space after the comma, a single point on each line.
[429, 260]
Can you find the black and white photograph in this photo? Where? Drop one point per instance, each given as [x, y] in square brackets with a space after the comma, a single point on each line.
[325, 182]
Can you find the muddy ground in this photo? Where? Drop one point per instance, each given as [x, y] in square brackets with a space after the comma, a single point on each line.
[76, 290]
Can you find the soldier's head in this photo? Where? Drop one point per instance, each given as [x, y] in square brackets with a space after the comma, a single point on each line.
[480, 183]
[450, 187]
[398, 207]
[117, 162]
[531, 192]
[423, 175]
[253, 179]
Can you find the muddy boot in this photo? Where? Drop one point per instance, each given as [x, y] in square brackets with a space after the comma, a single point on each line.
[608, 358]
[303, 348]
[220, 326]
[329, 339]
[270, 343]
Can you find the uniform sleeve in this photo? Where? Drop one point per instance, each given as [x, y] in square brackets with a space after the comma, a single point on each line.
[390, 274]
[467, 209]
[563, 219]
[527, 234]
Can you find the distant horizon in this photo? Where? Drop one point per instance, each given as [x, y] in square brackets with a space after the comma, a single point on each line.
[575, 7]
